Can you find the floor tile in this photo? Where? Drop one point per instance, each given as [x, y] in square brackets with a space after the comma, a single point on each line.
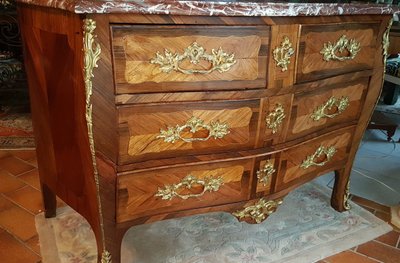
[14, 165]
[31, 178]
[349, 256]
[4, 153]
[384, 216]
[368, 208]
[18, 222]
[12, 251]
[25, 155]
[27, 197]
[5, 203]
[33, 162]
[370, 204]
[390, 238]
[34, 244]
[380, 252]
[9, 182]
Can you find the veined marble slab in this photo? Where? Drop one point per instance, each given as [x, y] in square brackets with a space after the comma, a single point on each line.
[215, 8]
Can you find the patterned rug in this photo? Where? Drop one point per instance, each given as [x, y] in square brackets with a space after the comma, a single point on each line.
[16, 131]
[304, 229]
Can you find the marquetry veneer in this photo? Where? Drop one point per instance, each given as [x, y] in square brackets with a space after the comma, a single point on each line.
[155, 117]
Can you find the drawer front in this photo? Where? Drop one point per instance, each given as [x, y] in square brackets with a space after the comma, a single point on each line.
[305, 161]
[334, 105]
[275, 118]
[328, 50]
[266, 171]
[150, 59]
[176, 189]
[170, 130]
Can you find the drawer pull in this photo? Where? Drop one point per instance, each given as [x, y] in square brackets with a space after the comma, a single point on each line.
[219, 59]
[259, 211]
[321, 112]
[283, 53]
[216, 130]
[275, 118]
[209, 184]
[264, 174]
[322, 150]
[352, 47]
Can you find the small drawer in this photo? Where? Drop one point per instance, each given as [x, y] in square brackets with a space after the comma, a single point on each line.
[336, 104]
[178, 129]
[189, 58]
[175, 189]
[328, 50]
[266, 172]
[275, 118]
[311, 158]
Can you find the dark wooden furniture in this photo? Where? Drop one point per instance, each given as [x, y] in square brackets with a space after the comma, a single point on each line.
[140, 117]
[380, 121]
[391, 89]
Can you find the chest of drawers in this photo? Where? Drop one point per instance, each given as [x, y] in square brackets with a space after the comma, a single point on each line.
[148, 115]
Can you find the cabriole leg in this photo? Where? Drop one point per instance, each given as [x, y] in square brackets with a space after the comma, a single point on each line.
[340, 194]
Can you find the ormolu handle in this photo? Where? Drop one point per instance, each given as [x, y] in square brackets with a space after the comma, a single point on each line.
[215, 129]
[330, 50]
[321, 112]
[259, 211]
[283, 53]
[219, 59]
[209, 184]
[322, 150]
[264, 174]
[275, 118]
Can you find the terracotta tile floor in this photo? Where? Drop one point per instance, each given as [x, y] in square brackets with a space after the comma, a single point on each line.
[20, 201]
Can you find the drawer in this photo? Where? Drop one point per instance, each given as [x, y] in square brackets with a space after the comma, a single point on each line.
[165, 58]
[276, 117]
[266, 171]
[311, 158]
[178, 129]
[328, 50]
[175, 189]
[335, 104]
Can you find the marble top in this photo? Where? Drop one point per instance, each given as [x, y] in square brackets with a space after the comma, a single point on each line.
[217, 8]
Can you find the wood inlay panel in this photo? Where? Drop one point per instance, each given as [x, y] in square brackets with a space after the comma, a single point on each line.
[290, 170]
[263, 187]
[271, 114]
[140, 127]
[135, 46]
[136, 191]
[305, 104]
[312, 66]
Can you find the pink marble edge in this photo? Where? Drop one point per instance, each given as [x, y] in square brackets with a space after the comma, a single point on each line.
[214, 8]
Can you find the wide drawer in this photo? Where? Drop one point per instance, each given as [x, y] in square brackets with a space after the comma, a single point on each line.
[165, 58]
[335, 104]
[178, 129]
[328, 50]
[175, 189]
[311, 158]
